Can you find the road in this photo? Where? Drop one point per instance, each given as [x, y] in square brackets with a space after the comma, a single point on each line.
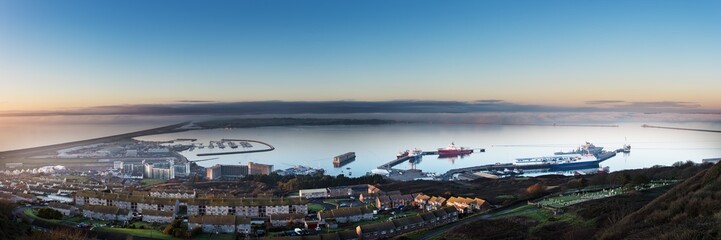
[436, 232]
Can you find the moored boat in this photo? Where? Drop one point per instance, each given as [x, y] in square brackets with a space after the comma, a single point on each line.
[587, 148]
[402, 154]
[559, 161]
[453, 150]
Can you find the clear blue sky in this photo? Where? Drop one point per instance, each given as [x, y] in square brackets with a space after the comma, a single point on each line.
[69, 54]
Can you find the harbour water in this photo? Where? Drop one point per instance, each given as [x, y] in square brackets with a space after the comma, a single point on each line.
[315, 146]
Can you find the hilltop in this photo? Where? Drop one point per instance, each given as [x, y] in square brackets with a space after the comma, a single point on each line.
[687, 208]
[690, 210]
[275, 122]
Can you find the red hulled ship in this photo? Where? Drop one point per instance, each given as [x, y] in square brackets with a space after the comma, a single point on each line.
[453, 150]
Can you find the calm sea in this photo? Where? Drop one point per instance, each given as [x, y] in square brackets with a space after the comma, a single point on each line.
[315, 146]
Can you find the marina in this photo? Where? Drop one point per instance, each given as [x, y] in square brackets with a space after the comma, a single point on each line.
[231, 144]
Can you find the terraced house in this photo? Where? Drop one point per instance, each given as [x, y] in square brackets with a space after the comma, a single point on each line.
[136, 203]
[155, 216]
[345, 215]
[248, 207]
[173, 194]
[106, 213]
[466, 205]
[220, 224]
[384, 230]
[65, 209]
[429, 203]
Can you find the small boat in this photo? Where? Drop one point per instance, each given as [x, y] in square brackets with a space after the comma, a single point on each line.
[416, 153]
[627, 148]
[402, 154]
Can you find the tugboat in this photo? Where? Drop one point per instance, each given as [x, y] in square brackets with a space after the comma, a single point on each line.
[416, 153]
[452, 150]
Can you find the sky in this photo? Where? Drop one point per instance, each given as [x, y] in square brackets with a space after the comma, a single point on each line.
[68, 55]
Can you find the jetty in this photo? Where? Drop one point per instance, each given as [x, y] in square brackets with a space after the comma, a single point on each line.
[678, 128]
[400, 160]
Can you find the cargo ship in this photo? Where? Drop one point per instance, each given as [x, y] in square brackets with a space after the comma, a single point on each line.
[560, 161]
[343, 159]
[453, 150]
[587, 148]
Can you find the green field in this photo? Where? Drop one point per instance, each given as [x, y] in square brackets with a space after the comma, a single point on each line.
[574, 198]
[66, 220]
[157, 234]
[314, 207]
[149, 233]
[544, 216]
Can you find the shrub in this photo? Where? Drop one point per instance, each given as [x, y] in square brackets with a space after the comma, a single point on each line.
[49, 213]
[195, 231]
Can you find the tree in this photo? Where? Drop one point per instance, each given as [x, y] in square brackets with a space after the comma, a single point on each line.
[172, 227]
[59, 234]
[640, 179]
[195, 231]
[577, 183]
[535, 189]
[49, 213]
[622, 179]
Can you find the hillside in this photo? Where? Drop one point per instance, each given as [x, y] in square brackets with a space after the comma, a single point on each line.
[690, 210]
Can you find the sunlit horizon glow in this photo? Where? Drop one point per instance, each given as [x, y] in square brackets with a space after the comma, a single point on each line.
[57, 56]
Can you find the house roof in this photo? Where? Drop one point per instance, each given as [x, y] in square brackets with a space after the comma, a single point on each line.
[242, 220]
[287, 216]
[150, 212]
[59, 205]
[106, 210]
[325, 214]
[422, 197]
[384, 198]
[400, 222]
[348, 234]
[225, 201]
[218, 219]
[377, 227]
[441, 212]
[449, 210]
[406, 197]
[427, 216]
[347, 212]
